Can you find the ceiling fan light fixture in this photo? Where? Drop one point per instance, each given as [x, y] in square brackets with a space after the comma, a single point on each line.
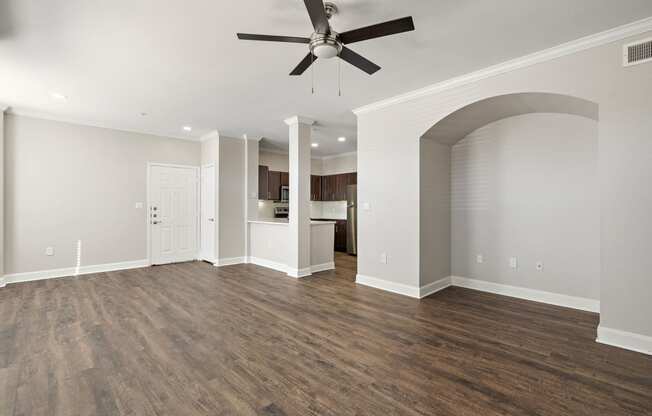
[325, 46]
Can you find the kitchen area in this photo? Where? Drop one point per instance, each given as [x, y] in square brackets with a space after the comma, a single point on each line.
[333, 198]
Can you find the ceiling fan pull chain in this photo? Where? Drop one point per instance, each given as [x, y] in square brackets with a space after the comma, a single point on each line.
[312, 72]
[339, 77]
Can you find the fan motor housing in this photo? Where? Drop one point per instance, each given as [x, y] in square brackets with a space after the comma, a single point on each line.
[325, 46]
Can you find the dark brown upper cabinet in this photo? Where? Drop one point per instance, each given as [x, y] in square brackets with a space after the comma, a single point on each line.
[285, 179]
[274, 185]
[263, 178]
[322, 188]
[315, 188]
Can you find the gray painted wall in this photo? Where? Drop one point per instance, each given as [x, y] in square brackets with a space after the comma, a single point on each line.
[389, 155]
[435, 211]
[231, 198]
[527, 187]
[67, 182]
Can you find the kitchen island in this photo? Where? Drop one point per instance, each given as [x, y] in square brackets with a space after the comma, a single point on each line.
[268, 244]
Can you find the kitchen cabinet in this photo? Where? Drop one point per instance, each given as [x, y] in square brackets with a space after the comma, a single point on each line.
[285, 179]
[328, 188]
[274, 184]
[263, 178]
[322, 188]
[340, 235]
[315, 188]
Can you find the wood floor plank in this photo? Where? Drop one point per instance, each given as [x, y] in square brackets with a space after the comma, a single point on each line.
[192, 339]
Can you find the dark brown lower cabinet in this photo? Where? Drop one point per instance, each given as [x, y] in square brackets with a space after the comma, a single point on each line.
[340, 235]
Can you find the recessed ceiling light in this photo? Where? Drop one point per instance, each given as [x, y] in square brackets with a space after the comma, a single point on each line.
[187, 128]
[315, 145]
[58, 96]
[341, 139]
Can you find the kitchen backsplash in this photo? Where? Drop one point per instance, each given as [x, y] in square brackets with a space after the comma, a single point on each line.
[335, 210]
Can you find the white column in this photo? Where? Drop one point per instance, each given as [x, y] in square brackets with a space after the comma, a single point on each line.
[299, 227]
[2, 193]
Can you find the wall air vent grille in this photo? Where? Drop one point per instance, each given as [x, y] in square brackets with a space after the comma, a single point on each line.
[638, 52]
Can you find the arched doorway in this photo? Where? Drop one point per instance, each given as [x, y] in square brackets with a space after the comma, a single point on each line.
[509, 195]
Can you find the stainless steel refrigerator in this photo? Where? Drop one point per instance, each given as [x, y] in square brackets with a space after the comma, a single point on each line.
[352, 219]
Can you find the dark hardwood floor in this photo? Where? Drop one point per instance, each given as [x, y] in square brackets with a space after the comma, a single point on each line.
[191, 339]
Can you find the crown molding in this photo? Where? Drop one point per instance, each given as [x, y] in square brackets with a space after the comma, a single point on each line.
[49, 117]
[328, 157]
[568, 48]
[214, 134]
[299, 120]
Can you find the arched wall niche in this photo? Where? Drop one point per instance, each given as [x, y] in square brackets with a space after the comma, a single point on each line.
[465, 120]
[522, 160]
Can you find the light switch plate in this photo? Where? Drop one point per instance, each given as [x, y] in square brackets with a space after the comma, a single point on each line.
[139, 205]
[383, 258]
[366, 206]
[513, 262]
[479, 258]
[49, 251]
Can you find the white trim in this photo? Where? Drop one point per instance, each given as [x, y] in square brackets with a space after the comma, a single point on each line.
[230, 261]
[299, 273]
[148, 223]
[23, 112]
[568, 48]
[322, 267]
[299, 120]
[434, 287]
[574, 302]
[3, 282]
[627, 340]
[70, 271]
[268, 264]
[210, 135]
[329, 157]
[200, 250]
[401, 289]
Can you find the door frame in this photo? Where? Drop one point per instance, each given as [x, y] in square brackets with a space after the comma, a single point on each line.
[197, 171]
[215, 210]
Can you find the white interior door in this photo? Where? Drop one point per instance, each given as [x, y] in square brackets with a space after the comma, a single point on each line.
[208, 213]
[173, 213]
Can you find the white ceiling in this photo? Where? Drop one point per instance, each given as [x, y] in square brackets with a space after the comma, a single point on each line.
[180, 61]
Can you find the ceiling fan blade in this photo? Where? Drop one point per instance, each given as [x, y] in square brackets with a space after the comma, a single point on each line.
[271, 38]
[318, 16]
[358, 61]
[304, 64]
[392, 27]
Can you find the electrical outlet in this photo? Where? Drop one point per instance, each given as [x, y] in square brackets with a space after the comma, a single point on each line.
[49, 251]
[479, 258]
[139, 205]
[539, 266]
[513, 263]
[383, 258]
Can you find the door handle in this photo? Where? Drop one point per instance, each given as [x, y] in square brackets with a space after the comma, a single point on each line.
[211, 219]
[156, 222]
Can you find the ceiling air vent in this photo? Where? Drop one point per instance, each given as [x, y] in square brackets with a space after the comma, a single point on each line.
[638, 52]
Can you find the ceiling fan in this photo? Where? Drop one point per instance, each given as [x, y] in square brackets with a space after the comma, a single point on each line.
[325, 43]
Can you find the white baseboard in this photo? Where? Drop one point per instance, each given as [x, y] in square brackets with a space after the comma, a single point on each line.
[296, 273]
[230, 261]
[299, 273]
[401, 289]
[322, 267]
[73, 271]
[574, 302]
[267, 263]
[434, 287]
[627, 340]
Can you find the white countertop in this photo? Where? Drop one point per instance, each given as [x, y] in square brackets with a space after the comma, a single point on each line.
[285, 221]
